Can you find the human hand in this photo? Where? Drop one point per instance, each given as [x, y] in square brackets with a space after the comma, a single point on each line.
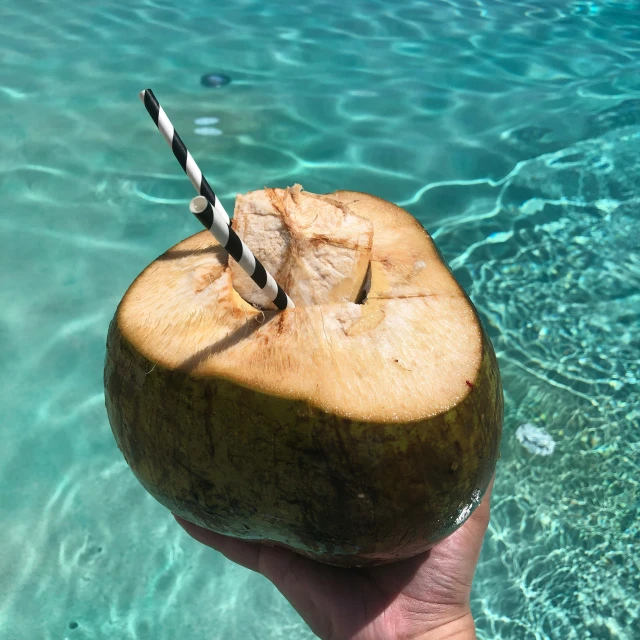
[425, 597]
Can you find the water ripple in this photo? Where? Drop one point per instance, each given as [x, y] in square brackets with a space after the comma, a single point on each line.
[510, 129]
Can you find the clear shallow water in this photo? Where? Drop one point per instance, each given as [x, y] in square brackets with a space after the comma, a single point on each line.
[511, 131]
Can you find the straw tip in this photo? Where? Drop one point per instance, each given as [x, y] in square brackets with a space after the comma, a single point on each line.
[142, 94]
[198, 204]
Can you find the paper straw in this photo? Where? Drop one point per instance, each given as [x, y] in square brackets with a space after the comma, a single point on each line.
[238, 250]
[180, 150]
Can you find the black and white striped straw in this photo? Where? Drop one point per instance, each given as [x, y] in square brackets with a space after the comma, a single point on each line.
[238, 250]
[180, 151]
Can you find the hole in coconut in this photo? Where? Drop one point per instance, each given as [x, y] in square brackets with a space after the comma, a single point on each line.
[366, 287]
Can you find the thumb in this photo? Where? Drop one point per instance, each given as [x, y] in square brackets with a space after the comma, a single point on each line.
[460, 552]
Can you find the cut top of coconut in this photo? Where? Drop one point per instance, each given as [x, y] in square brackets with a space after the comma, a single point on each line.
[411, 350]
[315, 248]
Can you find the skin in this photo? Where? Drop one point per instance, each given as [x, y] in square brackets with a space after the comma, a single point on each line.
[425, 597]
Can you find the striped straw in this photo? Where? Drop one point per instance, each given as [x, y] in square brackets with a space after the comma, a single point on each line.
[238, 250]
[180, 151]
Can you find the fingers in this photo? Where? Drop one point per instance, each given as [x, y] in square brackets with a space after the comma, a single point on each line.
[275, 563]
[271, 561]
[244, 553]
[310, 587]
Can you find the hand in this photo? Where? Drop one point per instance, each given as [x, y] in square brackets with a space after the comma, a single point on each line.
[425, 597]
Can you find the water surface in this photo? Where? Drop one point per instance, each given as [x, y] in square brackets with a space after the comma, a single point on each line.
[510, 129]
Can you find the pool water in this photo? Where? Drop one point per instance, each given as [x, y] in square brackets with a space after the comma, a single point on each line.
[511, 129]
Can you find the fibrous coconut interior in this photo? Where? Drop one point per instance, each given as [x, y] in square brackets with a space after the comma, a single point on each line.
[316, 249]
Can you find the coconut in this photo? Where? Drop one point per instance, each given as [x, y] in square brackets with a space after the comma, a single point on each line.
[360, 427]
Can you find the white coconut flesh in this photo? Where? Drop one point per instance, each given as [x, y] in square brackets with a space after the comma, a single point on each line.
[410, 350]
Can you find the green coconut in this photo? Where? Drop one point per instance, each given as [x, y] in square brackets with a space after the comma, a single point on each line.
[360, 427]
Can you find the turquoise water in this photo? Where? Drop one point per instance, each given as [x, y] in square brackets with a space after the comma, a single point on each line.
[510, 129]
